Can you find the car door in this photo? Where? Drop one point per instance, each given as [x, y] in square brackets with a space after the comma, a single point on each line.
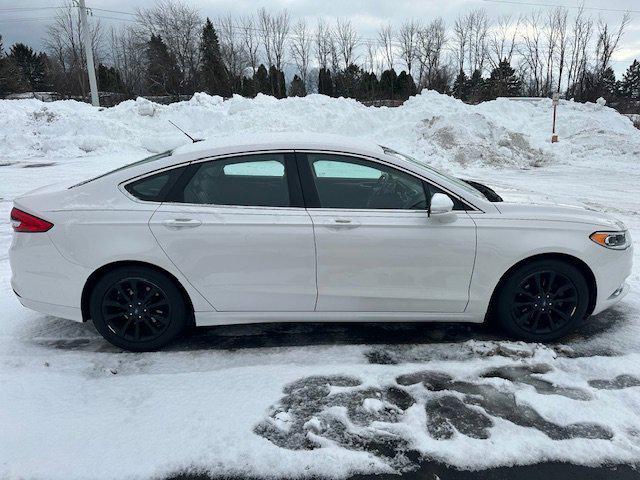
[377, 248]
[236, 227]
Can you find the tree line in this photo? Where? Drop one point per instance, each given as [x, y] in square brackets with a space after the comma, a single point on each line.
[168, 49]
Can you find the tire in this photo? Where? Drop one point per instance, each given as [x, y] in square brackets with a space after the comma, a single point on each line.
[138, 308]
[542, 301]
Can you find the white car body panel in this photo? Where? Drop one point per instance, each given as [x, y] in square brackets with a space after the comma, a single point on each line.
[251, 264]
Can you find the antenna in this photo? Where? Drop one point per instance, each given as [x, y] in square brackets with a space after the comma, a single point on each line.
[194, 140]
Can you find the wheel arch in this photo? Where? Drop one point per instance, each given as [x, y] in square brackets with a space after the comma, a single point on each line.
[103, 270]
[563, 257]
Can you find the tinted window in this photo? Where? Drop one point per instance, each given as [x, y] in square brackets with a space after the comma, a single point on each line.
[256, 180]
[151, 188]
[345, 182]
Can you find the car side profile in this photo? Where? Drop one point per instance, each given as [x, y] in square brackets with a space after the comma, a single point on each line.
[306, 227]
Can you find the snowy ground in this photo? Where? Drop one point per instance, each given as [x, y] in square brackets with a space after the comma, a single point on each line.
[309, 399]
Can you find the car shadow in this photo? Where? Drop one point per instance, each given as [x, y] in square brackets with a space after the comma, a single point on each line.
[68, 335]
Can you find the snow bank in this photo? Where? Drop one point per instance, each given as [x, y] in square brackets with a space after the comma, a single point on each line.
[431, 126]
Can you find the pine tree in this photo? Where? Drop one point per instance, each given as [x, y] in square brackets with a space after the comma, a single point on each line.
[163, 74]
[405, 85]
[248, 88]
[277, 82]
[325, 82]
[11, 79]
[630, 85]
[503, 82]
[476, 86]
[296, 89]
[261, 80]
[388, 80]
[608, 83]
[29, 64]
[109, 79]
[461, 87]
[214, 77]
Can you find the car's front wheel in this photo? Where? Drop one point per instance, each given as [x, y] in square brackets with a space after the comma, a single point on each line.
[137, 308]
[543, 300]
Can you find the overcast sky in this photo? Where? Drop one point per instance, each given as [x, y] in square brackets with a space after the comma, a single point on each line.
[25, 21]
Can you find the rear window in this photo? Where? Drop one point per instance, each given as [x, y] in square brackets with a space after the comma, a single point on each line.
[130, 165]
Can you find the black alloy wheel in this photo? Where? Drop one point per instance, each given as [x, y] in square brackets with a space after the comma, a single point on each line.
[138, 308]
[543, 300]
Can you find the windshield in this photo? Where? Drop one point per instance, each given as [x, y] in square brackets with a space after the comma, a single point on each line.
[438, 174]
[152, 158]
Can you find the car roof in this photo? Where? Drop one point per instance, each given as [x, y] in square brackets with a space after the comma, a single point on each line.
[249, 142]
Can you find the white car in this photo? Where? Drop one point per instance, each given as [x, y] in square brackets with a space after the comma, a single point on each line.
[294, 227]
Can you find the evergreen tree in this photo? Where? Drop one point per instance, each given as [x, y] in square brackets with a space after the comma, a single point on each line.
[109, 79]
[29, 64]
[347, 83]
[369, 86]
[297, 89]
[630, 85]
[248, 88]
[163, 74]
[11, 79]
[261, 81]
[325, 82]
[214, 77]
[277, 82]
[503, 82]
[476, 86]
[406, 87]
[461, 87]
[608, 83]
[387, 85]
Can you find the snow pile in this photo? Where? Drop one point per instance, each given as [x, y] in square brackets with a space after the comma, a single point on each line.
[437, 128]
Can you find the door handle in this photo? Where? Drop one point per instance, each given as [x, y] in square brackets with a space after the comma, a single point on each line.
[176, 223]
[343, 224]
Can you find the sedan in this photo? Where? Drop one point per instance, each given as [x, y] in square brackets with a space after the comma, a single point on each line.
[303, 227]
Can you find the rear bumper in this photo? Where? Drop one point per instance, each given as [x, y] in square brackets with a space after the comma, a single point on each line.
[43, 279]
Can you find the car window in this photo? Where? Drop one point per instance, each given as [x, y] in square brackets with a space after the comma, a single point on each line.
[154, 187]
[347, 182]
[255, 180]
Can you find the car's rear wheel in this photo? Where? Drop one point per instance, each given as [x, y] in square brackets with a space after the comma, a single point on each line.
[138, 308]
[543, 300]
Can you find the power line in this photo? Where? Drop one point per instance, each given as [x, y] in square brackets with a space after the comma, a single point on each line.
[553, 5]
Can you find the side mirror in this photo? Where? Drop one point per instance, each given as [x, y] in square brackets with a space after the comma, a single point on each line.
[440, 204]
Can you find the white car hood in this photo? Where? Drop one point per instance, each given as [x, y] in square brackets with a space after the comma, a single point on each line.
[560, 213]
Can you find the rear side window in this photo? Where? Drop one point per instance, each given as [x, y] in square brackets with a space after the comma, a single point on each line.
[255, 180]
[154, 187]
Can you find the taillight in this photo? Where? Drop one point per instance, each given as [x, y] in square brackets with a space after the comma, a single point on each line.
[23, 222]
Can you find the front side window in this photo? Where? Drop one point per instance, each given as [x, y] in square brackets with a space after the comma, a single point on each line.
[255, 180]
[347, 182]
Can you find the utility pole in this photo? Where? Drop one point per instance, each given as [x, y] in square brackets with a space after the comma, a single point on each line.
[555, 100]
[88, 50]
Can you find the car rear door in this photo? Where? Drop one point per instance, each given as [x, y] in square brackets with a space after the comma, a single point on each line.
[377, 248]
[237, 229]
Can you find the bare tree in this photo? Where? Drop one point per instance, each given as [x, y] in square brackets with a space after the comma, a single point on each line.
[385, 40]
[301, 45]
[607, 42]
[274, 30]
[179, 25]
[232, 50]
[323, 44]
[502, 40]
[248, 33]
[371, 48]
[408, 36]
[127, 53]
[461, 32]
[478, 30]
[346, 41]
[430, 46]
[560, 23]
[577, 64]
[66, 48]
[532, 53]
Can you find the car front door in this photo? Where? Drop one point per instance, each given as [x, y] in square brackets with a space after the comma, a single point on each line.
[378, 250]
[237, 229]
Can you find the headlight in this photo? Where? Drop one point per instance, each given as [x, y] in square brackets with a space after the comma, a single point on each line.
[614, 240]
